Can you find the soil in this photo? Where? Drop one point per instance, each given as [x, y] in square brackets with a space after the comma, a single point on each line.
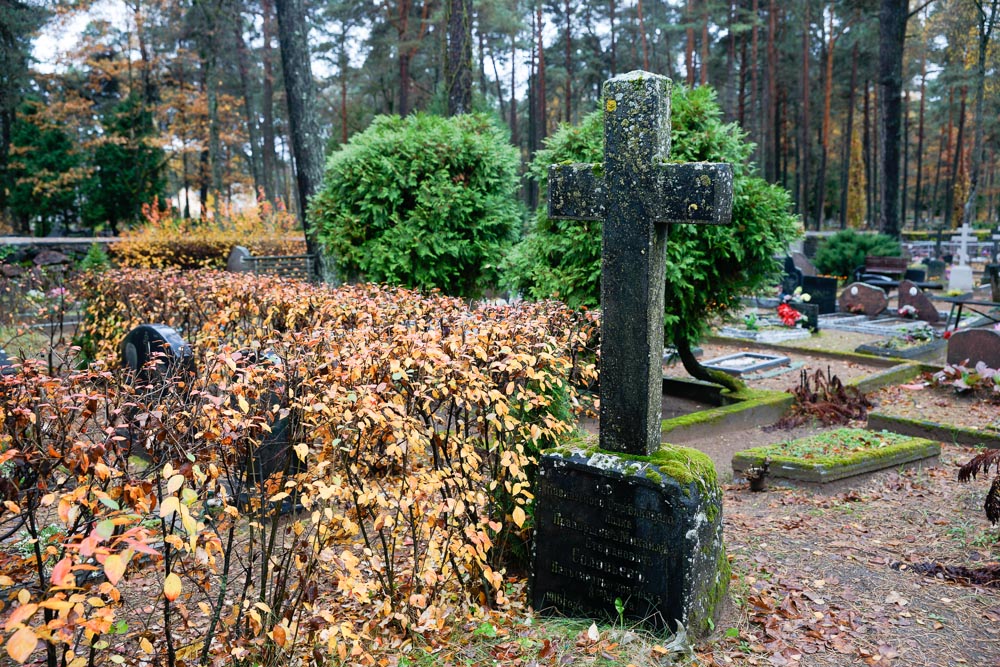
[829, 580]
[941, 405]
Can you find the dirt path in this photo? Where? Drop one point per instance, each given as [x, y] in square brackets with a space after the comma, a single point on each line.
[827, 580]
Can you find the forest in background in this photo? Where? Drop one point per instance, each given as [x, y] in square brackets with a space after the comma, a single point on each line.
[188, 101]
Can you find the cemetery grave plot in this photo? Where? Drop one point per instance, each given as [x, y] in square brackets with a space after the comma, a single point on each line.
[835, 455]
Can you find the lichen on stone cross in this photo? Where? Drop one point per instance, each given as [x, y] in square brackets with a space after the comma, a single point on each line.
[636, 193]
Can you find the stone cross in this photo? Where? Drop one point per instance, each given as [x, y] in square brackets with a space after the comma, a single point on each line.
[635, 192]
[963, 238]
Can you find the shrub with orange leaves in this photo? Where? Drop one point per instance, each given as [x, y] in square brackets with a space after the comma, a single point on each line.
[164, 240]
[412, 425]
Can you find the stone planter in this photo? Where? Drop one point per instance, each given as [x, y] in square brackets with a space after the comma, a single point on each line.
[825, 469]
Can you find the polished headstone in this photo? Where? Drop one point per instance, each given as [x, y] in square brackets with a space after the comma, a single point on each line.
[971, 346]
[911, 295]
[863, 298]
[158, 348]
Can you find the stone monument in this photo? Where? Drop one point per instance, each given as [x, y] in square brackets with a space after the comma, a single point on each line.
[960, 278]
[633, 524]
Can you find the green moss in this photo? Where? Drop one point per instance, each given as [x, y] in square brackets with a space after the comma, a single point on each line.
[745, 399]
[811, 451]
[685, 465]
[653, 476]
[597, 169]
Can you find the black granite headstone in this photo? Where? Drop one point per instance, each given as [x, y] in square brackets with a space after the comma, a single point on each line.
[156, 350]
[620, 523]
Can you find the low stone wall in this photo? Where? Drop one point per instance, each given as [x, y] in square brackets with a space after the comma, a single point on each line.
[20, 249]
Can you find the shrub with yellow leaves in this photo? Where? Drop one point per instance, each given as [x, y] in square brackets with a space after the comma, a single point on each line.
[164, 240]
[411, 427]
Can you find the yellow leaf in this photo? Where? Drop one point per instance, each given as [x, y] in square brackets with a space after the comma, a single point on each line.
[519, 516]
[171, 586]
[21, 644]
[146, 646]
[301, 450]
[170, 505]
[175, 483]
[114, 568]
[244, 406]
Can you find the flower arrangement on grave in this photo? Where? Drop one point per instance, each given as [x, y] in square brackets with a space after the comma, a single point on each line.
[913, 336]
[856, 308]
[908, 312]
[786, 311]
[789, 316]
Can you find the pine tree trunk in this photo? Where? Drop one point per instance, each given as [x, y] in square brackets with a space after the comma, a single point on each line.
[825, 137]
[543, 113]
[567, 10]
[269, 158]
[458, 64]
[845, 169]
[307, 141]
[868, 155]
[612, 8]
[918, 191]
[803, 167]
[703, 65]
[904, 181]
[642, 37]
[689, 48]
[249, 110]
[771, 171]
[944, 149]
[949, 201]
[756, 132]
[986, 24]
[892, 35]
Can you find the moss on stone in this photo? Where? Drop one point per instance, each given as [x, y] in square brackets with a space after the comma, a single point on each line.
[745, 399]
[685, 465]
[778, 453]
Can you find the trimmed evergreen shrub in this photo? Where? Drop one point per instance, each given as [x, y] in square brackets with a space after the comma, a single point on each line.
[708, 267]
[842, 253]
[422, 201]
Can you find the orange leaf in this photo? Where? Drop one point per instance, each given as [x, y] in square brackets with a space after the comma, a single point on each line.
[21, 644]
[114, 568]
[171, 587]
[62, 574]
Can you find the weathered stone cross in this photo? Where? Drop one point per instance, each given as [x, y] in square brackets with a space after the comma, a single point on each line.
[635, 193]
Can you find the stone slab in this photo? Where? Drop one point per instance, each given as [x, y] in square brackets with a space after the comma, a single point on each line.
[745, 362]
[863, 298]
[613, 528]
[970, 346]
[911, 295]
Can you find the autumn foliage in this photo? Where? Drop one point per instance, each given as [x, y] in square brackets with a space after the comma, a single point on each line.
[165, 240]
[412, 426]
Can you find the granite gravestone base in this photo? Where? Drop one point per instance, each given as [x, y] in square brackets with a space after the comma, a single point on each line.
[616, 530]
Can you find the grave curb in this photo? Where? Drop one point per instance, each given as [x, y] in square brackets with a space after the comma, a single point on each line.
[869, 359]
[893, 375]
[912, 450]
[933, 430]
[908, 353]
[747, 408]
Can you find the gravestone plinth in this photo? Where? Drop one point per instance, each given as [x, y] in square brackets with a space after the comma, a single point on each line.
[648, 533]
[971, 346]
[863, 298]
[911, 295]
[627, 521]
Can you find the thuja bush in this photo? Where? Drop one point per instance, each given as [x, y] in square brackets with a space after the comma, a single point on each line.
[412, 423]
[422, 201]
[164, 240]
[846, 250]
[709, 267]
